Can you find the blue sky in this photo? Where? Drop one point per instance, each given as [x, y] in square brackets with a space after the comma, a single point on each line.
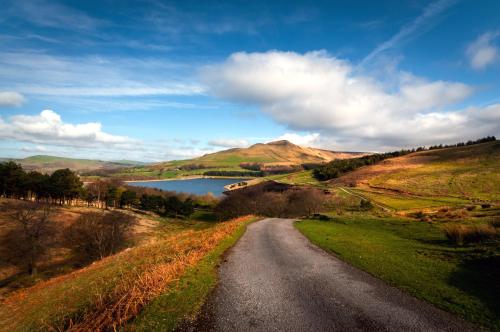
[157, 80]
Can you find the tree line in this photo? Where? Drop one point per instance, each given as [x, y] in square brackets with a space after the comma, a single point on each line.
[64, 187]
[338, 167]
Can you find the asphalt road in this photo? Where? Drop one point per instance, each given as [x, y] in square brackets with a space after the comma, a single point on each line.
[274, 279]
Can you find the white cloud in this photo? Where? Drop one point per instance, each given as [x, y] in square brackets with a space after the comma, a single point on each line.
[315, 92]
[11, 98]
[35, 149]
[482, 52]
[50, 75]
[49, 128]
[229, 143]
[308, 140]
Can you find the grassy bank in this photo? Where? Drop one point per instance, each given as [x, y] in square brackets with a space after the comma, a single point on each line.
[416, 257]
[184, 299]
[112, 291]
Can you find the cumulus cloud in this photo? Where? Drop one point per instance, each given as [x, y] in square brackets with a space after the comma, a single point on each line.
[229, 143]
[11, 98]
[482, 52]
[316, 92]
[49, 128]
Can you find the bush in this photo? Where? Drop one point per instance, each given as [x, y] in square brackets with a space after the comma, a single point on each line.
[271, 199]
[95, 235]
[365, 205]
[462, 234]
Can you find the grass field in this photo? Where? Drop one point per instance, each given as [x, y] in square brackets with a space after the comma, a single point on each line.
[298, 178]
[469, 173]
[398, 202]
[416, 257]
[114, 290]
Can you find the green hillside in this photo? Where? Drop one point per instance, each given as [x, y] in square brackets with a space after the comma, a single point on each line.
[276, 153]
[48, 164]
[427, 179]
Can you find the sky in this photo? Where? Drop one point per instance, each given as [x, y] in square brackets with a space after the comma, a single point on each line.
[159, 80]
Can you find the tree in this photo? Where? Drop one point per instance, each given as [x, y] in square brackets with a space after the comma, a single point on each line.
[96, 191]
[12, 179]
[65, 185]
[31, 232]
[95, 235]
[306, 201]
[128, 198]
[38, 185]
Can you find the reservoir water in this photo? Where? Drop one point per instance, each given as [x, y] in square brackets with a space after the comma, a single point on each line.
[190, 186]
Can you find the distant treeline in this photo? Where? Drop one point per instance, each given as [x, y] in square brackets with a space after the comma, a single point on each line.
[338, 167]
[234, 173]
[61, 186]
[192, 167]
[258, 170]
[64, 187]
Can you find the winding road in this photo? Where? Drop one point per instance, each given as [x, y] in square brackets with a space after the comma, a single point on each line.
[274, 279]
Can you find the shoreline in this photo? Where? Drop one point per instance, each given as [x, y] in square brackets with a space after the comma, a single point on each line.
[190, 178]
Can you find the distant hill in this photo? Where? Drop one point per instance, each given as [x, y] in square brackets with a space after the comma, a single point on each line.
[48, 164]
[278, 152]
[451, 175]
[227, 162]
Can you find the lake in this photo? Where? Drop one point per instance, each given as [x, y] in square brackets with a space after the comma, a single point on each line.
[200, 186]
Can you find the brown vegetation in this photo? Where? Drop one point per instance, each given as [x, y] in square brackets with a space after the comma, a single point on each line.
[143, 273]
[29, 235]
[272, 199]
[461, 234]
[55, 255]
[95, 235]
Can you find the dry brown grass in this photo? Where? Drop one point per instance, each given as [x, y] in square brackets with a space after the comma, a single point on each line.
[110, 292]
[461, 234]
[59, 257]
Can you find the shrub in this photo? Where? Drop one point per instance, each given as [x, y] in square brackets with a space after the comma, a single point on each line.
[419, 215]
[486, 206]
[461, 234]
[271, 199]
[96, 235]
[365, 205]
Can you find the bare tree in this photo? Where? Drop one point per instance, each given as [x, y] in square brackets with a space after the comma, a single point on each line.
[271, 204]
[31, 231]
[306, 201]
[95, 235]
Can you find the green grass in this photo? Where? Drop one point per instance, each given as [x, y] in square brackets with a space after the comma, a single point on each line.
[298, 178]
[415, 257]
[184, 300]
[408, 202]
[466, 172]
